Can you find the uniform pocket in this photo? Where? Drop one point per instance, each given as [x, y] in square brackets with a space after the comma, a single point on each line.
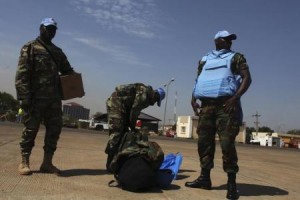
[42, 59]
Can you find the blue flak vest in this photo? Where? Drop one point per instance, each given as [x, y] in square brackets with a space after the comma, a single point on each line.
[216, 78]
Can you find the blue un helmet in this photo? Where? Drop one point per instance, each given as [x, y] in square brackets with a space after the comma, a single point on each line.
[162, 95]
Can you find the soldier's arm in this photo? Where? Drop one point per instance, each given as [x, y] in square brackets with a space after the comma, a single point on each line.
[194, 103]
[246, 80]
[241, 67]
[22, 78]
[134, 114]
[138, 105]
[65, 67]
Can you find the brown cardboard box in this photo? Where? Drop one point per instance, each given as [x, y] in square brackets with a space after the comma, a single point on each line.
[71, 86]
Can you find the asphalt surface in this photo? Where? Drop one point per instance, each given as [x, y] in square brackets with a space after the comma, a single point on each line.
[265, 172]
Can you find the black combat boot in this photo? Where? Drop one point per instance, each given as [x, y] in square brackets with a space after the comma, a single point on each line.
[203, 181]
[232, 192]
[47, 166]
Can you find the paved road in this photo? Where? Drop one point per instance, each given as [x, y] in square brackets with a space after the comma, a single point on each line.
[265, 173]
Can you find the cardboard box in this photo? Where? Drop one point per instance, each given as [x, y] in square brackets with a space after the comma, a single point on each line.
[71, 86]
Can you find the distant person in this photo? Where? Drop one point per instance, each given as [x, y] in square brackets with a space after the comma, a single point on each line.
[20, 115]
[38, 90]
[123, 108]
[223, 77]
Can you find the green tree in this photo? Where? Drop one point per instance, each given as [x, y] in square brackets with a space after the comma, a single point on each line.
[8, 103]
[260, 129]
[265, 129]
[294, 132]
[101, 117]
[8, 106]
[249, 131]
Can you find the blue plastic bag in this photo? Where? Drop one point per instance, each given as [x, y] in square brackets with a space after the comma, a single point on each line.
[169, 169]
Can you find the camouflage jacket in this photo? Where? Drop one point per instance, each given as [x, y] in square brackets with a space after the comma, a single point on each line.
[135, 144]
[130, 100]
[37, 75]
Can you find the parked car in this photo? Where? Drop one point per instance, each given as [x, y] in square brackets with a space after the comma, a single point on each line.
[96, 125]
[171, 133]
[70, 125]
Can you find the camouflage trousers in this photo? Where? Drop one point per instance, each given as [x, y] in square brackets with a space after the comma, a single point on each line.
[48, 112]
[214, 120]
[118, 122]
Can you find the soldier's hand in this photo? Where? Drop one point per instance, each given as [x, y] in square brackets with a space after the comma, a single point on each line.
[230, 104]
[196, 108]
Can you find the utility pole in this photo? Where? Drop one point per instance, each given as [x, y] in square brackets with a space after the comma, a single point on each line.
[175, 108]
[256, 121]
[167, 86]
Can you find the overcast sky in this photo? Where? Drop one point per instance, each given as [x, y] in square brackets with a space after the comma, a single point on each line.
[114, 42]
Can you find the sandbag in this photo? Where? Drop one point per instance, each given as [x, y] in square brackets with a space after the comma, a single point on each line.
[137, 162]
[136, 175]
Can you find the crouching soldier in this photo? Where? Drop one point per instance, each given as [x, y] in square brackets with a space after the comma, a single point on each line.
[123, 108]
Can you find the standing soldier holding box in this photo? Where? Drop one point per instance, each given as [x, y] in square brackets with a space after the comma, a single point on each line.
[38, 90]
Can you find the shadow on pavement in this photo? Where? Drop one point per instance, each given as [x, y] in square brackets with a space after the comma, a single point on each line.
[180, 177]
[82, 172]
[255, 190]
[172, 187]
[154, 189]
[186, 170]
[160, 190]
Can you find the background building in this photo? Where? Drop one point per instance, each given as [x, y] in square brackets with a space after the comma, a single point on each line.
[186, 127]
[76, 111]
[148, 122]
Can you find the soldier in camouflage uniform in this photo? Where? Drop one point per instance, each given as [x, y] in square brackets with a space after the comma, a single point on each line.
[37, 86]
[220, 110]
[123, 109]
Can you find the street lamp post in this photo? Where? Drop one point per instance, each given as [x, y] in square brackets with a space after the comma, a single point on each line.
[175, 107]
[166, 85]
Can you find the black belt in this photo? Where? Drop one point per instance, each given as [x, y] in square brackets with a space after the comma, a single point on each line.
[214, 101]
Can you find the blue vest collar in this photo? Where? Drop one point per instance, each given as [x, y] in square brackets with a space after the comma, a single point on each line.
[223, 53]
